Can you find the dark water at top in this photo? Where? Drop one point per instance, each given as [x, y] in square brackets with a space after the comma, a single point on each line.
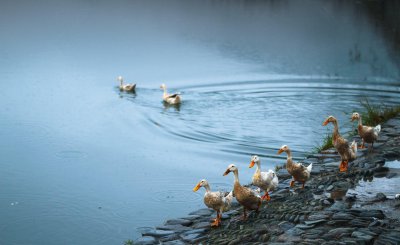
[82, 163]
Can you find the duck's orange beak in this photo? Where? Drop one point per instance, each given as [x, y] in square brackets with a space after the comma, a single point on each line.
[251, 164]
[197, 187]
[227, 172]
[325, 122]
[353, 118]
[280, 151]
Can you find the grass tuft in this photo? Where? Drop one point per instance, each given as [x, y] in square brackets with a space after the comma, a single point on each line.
[376, 114]
[128, 242]
[326, 143]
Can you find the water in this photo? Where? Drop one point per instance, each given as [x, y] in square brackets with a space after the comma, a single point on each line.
[83, 163]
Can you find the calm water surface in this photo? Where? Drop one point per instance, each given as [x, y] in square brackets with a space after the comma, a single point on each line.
[82, 163]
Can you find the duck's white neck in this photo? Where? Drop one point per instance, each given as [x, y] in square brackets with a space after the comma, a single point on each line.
[289, 157]
[207, 187]
[236, 174]
[359, 121]
[121, 83]
[258, 168]
[165, 90]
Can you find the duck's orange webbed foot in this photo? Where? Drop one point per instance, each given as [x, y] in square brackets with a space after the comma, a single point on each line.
[292, 183]
[362, 146]
[216, 223]
[343, 166]
[302, 187]
[266, 197]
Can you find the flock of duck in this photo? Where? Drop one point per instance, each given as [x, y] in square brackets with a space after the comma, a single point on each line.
[268, 181]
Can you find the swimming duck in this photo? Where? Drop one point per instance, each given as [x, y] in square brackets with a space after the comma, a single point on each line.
[267, 181]
[215, 200]
[245, 196]
[298, 171]
[172, 99]
[368, 134]
[347, 152]
[126, 87]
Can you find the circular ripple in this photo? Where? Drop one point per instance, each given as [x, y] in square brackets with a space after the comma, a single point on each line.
[257, 117]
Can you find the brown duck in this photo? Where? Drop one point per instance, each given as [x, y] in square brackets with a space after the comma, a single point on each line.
[298, 171]
[245, 196]
[216, 200]
[368, 134]
[347, 152]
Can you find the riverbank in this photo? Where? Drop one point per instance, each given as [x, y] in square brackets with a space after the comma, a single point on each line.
[333, 207]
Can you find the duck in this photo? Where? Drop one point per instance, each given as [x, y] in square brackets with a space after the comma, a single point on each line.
[347, 152]
[298, 171]
[172, 99]
[217, 200]
[126, 87]
[244, 195]
[368, 134]
[267, 181]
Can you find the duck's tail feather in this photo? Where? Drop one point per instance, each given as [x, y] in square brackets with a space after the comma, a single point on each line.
[377, 129]
[353, 146]
[309, 167]
[228, 201]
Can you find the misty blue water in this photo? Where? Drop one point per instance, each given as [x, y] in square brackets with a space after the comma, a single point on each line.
[83, 163]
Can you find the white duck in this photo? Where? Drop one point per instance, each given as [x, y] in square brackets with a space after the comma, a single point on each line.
[172, 99]
[218, 201]
[126, 87]
[267, 181]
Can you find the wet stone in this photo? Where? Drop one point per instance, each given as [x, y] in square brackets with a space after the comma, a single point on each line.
[318, 217]
[362, 236]
[174, 242]
[329, 188]
[372, 213]
[314, 222]
[169, 238]
[177, 228]
[146, 240]
[342, 216]
[158, 233]
[192, 217]
[202, 225]
[304, 227]
[379, 197]
[203, 212]
[285, 225]
[183, 222]
[338, 233]
[192, 238]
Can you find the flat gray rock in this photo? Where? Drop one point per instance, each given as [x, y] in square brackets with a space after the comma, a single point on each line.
[203, 212]
[314, 222]
[177, 228]
[157, 233]
[146, 240]
[183, 222]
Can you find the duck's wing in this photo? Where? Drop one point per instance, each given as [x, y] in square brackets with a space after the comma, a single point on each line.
[172, 96]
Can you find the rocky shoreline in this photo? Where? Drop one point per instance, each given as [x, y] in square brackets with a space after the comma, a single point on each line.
[324, 212]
